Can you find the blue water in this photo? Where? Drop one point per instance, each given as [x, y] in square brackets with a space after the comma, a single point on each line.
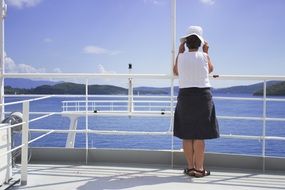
[221, 145]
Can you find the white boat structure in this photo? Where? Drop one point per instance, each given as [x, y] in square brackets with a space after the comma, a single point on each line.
[91, 168]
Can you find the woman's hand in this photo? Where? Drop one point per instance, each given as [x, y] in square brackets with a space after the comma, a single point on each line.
[182, 47]
[206, 47]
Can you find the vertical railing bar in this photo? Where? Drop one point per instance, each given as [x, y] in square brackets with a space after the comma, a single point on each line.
[172, 123]
[24, 152]
[264, 127]
[86, 121]
[173, 44]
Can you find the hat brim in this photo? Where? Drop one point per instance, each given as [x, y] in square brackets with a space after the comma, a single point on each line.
[183, 38]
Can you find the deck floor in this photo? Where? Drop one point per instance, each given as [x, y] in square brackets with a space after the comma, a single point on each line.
[143, 177]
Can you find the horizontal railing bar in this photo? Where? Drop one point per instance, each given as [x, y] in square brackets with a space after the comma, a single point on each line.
[140, 76]
[274, 138]
[245, 137]
[240, 118]
[120, 113]
[32, 120]
[22, 101]
[136, 113]
[115, 101]
[275, 99]
[86, 75]
[11, 126]
[274, 119]
[237, 98]
[90, 95]
[248, 77]
[104, 132]
[135, 96]
[41, 117]
[39, 137]
[115, 132]
[57, 130]
[16, 148]
[20, 146]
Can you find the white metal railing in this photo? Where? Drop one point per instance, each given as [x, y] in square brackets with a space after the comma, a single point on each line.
[25, 131]
[153, 110]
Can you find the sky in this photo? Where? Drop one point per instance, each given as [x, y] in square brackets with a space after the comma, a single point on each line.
[246, 37]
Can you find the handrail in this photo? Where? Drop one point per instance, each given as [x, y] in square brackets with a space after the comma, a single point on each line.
[133, 113]
[116, 132]
[22, 101]
[138, 76]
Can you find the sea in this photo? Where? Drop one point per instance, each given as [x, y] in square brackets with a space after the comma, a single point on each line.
[240, 108]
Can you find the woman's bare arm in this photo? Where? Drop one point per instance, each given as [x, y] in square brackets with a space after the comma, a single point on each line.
[210, 65]
[206, 50]
[181, 50]
[175, 69]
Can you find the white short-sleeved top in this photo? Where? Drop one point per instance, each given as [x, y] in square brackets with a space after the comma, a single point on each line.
[193, 70]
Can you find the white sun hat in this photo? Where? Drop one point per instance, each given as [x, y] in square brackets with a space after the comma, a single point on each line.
[193, 30]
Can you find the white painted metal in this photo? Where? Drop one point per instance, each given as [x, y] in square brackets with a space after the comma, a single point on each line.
[31, 100]
[41, 136]
[5, 135]
[5, 159]
[72, 128]
[264, 125]
[41, 117]
[136, 76]
[172, 62]
[115, 132]
[2, 56]
[22, 145]
[11, 126]
[86, 122]
[24, 152]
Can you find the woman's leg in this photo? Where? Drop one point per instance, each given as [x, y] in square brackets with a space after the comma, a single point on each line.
[188, 152]
[199, 149]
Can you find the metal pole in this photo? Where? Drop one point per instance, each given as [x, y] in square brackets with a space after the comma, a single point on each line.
[2, 56]
[3, 10]
[86, 121]
[24, 153]
[173, 29]
[130, 91]
[264, 126]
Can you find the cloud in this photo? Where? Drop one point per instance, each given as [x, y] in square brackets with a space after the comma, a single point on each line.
[12, 67]
[154, 2]
[91, 49]
[100, 69]
[47, 40]
[23, 3]
[57, 70]
[208, 2]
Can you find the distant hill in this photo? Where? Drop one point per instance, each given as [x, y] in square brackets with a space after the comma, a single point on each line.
[67, 88]
[273, 90]
[247, 89]
[26, 83]
[155, 90]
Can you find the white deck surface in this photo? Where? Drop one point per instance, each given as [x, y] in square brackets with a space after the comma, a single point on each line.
[144, 177]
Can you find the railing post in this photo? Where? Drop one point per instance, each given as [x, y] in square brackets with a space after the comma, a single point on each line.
[130, 92]
[24, 153]
[264, 126]
[86, 121]
[172, 62]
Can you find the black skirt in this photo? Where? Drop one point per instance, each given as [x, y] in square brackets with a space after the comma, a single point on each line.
[195, 115]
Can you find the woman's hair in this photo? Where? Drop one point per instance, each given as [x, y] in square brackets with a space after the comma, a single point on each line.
[193, 42]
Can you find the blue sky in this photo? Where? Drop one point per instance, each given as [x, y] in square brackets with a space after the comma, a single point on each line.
[245, 36]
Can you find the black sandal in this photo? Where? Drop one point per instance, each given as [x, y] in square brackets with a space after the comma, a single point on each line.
[190, 172]
[203, 173]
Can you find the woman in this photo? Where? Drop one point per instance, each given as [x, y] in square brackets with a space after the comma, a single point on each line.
[195, 117]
